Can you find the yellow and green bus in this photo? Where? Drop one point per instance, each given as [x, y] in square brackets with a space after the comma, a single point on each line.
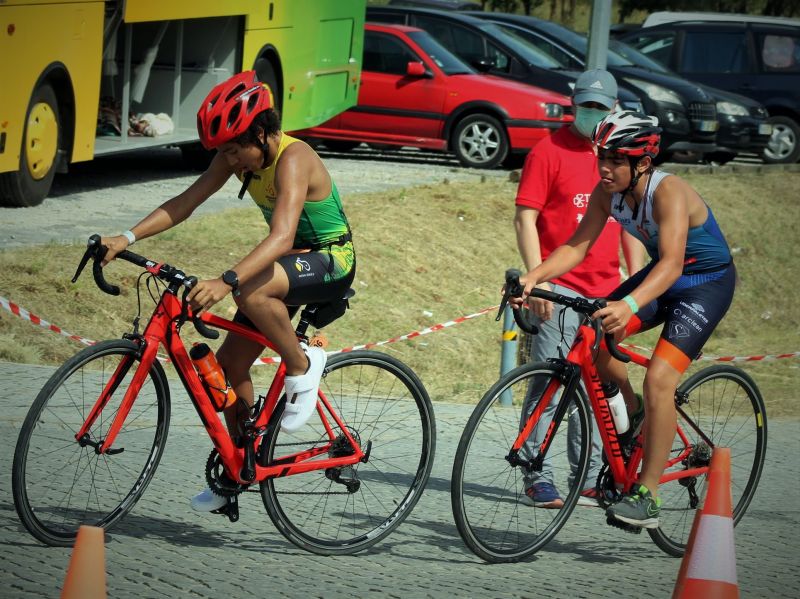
[70, 70]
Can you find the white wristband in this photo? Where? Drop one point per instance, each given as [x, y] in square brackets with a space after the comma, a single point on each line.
[130, 236]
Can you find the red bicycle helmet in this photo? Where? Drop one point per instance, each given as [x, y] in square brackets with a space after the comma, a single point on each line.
[229, 109]
[630, 133]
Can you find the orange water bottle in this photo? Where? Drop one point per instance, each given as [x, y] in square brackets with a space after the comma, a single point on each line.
[212, 376]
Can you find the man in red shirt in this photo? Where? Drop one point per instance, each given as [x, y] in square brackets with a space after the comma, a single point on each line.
[557, 180]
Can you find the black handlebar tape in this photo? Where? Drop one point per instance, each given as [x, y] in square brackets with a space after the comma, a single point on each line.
[201, 327]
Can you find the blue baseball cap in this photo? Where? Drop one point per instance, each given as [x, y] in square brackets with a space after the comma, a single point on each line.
[597, 85]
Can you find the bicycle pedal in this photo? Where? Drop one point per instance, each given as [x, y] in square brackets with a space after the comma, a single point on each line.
[635, 530]
[230, 509]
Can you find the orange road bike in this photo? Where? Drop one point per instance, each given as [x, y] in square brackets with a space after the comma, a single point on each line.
[717, 406]
[95, 434]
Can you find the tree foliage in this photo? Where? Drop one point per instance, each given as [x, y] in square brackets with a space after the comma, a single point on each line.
[781, 8]
[564, 10]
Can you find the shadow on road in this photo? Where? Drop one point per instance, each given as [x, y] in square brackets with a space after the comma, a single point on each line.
[141, 166]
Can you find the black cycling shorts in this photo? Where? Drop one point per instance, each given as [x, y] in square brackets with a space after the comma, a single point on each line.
[315, 277]
[690, 310]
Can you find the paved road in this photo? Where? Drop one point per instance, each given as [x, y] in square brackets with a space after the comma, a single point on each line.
[163, 549]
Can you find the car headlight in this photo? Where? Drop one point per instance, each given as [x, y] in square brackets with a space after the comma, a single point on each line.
[553, 111]
[656, 92]
[731, 108]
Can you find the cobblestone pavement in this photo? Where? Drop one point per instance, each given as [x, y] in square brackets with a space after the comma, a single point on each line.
[163, 549]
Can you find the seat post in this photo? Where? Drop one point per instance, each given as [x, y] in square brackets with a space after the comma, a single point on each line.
[302, 325]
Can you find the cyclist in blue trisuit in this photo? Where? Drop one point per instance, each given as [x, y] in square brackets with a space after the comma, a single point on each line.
[687, 287]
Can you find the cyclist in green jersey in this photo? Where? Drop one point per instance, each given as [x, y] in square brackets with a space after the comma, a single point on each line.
[307, 256]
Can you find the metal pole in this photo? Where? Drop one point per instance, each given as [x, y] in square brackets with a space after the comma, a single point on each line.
[508, 355]
[597, 56]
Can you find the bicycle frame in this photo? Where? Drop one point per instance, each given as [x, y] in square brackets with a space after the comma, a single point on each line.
[580, 360]
[163, 329]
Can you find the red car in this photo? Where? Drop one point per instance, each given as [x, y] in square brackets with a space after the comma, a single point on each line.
[416, 93]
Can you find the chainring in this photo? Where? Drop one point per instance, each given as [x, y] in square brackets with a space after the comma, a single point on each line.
[218, 481]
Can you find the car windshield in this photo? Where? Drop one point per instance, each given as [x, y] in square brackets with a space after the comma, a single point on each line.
[636, 57]
[444, 59]
[619, 53]
[523, 47]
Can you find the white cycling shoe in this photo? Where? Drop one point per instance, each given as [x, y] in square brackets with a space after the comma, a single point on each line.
[208, 501]
[301, 391]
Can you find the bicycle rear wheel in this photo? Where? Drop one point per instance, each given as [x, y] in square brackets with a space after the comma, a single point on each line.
[725, 403]
[491, 510]
[58, 485]
[347, 510]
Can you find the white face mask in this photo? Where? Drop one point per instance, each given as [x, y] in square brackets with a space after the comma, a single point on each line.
[586, 119]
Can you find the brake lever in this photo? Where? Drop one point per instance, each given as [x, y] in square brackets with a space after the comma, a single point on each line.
[91, 250]
[598, 326]
[611, 342]
[188, 284]
[513, 289]
[205, 331]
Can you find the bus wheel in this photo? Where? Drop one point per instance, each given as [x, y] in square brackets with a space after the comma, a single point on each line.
[41, 142]
[266, 74]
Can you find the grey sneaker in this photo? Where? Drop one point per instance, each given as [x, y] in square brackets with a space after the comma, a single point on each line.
[638, 508]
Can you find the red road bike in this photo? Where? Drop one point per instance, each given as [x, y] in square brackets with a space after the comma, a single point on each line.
[717, 406]
[95, 433]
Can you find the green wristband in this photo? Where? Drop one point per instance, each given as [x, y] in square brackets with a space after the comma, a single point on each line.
[631, 303]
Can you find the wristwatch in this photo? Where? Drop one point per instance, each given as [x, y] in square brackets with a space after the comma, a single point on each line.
[230, 278]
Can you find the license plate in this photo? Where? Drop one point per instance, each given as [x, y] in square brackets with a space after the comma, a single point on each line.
[707, 126]
[765, 129]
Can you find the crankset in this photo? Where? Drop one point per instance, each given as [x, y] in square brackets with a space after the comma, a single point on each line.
[218, 481]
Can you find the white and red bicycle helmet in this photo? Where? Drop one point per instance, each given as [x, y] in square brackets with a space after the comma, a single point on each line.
[230, 108]
[630, 133]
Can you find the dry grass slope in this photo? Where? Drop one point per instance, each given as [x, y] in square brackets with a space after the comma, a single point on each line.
[426, 255]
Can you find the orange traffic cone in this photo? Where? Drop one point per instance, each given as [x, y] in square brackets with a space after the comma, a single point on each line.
[708, 570]
[86, 574]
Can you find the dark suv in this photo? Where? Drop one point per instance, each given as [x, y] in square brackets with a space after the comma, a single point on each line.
[686, 113]
[743, 123]
[756, 57]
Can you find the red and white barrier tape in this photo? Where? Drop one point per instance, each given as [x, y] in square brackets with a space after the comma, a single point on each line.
[25, 315]
[412, 335]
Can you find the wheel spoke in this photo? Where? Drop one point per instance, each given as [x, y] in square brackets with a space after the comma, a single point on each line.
[384, 405]
[59, 485]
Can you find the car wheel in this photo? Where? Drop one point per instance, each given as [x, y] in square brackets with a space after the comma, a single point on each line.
[479, 141]
[784, 145]
[341, 145]
[41, 142]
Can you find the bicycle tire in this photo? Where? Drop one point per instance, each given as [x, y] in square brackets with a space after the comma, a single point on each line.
[383, 402]
[79, 488]
[488, 493]
[727, 406]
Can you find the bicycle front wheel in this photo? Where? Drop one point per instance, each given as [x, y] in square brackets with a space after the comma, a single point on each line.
[60, 484]
[726, 405]
[494, 516]
[345, 510]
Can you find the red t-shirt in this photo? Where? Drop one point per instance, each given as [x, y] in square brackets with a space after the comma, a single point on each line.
[557, 180]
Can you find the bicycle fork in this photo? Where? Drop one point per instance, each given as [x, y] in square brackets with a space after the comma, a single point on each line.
[568, 380]
[148, 355]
